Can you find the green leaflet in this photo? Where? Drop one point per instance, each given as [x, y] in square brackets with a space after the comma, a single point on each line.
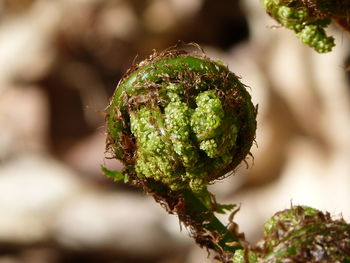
[115, 175]
[223, 209]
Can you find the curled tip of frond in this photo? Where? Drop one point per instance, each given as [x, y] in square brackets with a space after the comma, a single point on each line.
[300, 234]
[308, 19]
[180, 118]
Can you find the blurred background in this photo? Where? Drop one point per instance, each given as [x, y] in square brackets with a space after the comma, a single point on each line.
[59, 64]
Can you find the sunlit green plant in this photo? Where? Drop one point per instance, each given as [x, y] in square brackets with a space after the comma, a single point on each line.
[178, 122]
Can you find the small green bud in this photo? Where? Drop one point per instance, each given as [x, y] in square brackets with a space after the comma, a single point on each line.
[305, 20]
[182, 120]
[315, 37]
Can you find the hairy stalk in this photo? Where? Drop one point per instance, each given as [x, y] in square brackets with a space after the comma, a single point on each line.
[206, 229]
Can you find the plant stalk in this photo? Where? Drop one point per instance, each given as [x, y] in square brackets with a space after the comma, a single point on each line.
[206, 228]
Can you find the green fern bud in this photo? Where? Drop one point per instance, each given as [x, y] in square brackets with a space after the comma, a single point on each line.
[308, 21]
[304, 234]
[300, 234]
[180, 119]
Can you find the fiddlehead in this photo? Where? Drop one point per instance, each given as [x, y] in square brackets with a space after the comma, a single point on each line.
[309, 18]
[300, 234]
[178, 121]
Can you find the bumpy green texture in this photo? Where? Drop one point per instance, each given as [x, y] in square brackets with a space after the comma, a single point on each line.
[302, 234]
[245, 256]
[182, 120]
[304, 19]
